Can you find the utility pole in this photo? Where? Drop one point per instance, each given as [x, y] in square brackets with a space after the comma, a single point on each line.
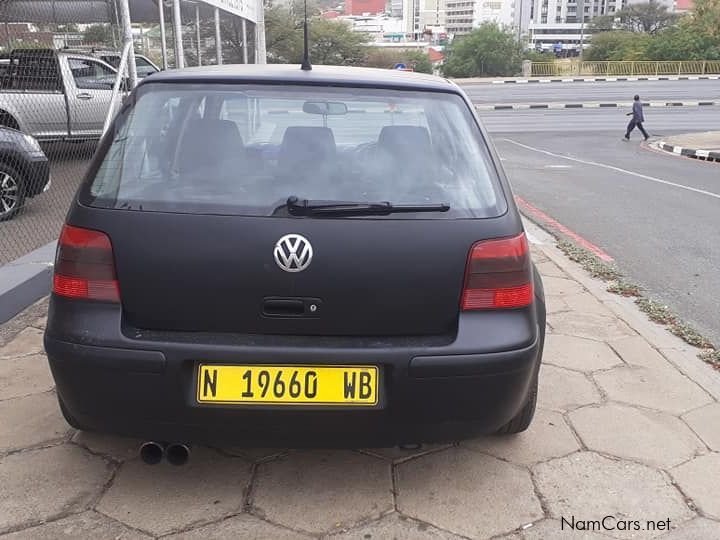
[260, 53]
[197, 33]
[218, 38]
[177, 30]
[163, 45]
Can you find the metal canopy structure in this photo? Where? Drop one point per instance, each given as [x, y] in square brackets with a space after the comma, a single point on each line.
[127, 12]
[100, 11]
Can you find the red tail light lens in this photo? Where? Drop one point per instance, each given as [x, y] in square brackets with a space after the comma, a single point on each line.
[84, 266]
[498, 275]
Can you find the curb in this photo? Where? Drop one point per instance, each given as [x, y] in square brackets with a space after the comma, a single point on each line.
[25, 280]
[703, 155]
[593, 105]
[678, 353]
[591, 79]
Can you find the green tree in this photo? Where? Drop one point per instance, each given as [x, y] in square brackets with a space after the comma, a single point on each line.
[650, 18]
[486, 51]
[706, 18]
[683, 42]
[618, 45]
[334, 43]
[602, 23]
[101, 34]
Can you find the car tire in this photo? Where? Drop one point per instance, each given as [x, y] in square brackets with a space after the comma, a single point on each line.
[69, 418]
[12, 192]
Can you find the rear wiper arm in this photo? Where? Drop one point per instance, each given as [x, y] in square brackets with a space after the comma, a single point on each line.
[307, 207]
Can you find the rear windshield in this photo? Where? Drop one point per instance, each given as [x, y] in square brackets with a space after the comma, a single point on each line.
[244, 149]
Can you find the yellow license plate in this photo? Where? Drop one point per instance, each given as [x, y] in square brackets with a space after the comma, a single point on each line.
[288, 385]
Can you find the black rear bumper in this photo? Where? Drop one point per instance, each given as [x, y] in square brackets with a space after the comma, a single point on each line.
[147, 389]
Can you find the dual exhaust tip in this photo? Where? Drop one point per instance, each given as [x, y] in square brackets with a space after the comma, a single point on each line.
[152, 453]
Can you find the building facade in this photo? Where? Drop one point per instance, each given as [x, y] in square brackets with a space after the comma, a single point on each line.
[420, 16]
[465, 15]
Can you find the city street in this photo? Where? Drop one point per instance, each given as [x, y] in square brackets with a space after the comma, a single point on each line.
[603, 91]
[617, 196]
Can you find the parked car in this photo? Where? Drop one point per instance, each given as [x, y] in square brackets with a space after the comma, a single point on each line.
[24, 171]
[144, 65]
[252, 261]
[55, 95]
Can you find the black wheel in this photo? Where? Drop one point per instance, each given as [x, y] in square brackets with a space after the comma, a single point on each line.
[523, 419]
[12, 192]
[69, 418]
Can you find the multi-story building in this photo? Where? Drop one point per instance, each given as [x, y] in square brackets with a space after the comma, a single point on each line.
[561, 25]
[465, 15]
[361, 7]
[420, 16]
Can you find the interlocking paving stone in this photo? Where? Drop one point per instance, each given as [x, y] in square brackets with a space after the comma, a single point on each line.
[562, 389]
[24, 376]
[27, 342]
[547, 437]
[85, 526]
[590, 325]
[586, 303]
[164, 498]
[396, 527]
[697, 529]
[590, 487]
[254, 454]
[467, 493]
[579, 354]
[699, 480]
[705, 421]
[555, 286]
[548, 268]
[555, 304]
[662, 389]
[240, 527]
[117, 448]
[651, 437]
[322, 490]
[39, 485]
[30, 421]
[638, 352]
[551, 529]
[398, 455]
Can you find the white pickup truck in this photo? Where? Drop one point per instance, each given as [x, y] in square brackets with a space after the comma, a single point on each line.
[55, 95]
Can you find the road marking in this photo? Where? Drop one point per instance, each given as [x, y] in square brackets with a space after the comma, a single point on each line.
[617, 169]
[542, 216]
[557, 166]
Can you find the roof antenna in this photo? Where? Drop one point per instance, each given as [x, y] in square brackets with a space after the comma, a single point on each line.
[306, 65]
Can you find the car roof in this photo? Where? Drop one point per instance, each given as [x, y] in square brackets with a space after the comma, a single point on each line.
[291, 73]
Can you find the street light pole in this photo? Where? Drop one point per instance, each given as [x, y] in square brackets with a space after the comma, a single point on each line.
[128, 38]
[582, 35]
[197, 33]
[218, 38]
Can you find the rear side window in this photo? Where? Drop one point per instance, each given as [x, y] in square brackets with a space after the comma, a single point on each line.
[244, 149]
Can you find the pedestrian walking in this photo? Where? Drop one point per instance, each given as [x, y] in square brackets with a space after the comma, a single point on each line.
[637, 119]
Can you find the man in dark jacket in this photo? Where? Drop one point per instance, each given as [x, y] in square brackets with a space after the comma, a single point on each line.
[637, 119]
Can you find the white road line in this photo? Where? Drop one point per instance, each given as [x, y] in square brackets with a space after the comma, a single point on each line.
[617, 169]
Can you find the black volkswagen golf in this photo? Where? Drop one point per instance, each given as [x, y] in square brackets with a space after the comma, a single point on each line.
[261, 255]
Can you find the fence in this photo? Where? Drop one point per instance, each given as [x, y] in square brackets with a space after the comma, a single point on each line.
[57, 63]
[625, 68]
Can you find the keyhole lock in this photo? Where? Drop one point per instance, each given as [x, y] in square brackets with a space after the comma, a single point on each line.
[313, 308]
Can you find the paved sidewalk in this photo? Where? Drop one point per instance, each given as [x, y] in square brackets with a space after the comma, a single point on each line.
[704, 145]
[628, 426]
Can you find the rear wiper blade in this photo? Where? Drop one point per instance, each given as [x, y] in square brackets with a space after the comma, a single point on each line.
[308, 207]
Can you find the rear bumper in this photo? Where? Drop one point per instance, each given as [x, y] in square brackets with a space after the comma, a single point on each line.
[147, 389]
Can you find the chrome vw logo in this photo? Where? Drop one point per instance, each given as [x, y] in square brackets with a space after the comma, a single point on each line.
[293, 253]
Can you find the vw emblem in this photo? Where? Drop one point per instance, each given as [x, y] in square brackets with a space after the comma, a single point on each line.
[293, 253]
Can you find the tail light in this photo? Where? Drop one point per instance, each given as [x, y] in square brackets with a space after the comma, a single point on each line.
[84, 266]
[498, 275]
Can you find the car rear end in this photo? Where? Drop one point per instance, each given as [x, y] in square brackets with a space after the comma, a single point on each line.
[194, 300]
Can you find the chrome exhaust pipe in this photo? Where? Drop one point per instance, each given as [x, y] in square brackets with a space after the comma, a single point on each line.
[151, 452]
[177, 454]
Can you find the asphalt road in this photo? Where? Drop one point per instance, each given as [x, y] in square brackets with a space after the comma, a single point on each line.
[657, 215]
[577, 92]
